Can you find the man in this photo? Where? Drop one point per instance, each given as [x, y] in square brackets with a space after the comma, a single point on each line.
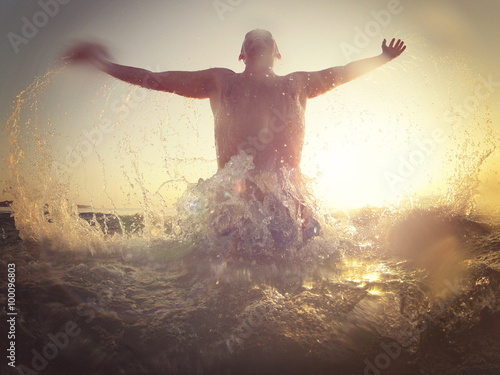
[255, 111]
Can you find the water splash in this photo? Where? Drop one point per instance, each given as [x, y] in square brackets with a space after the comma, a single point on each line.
[41, 211]
[241, 213]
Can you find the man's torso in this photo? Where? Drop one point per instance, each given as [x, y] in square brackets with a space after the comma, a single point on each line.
[263, 117]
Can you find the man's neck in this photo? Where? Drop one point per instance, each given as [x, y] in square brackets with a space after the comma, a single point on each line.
[259, 71]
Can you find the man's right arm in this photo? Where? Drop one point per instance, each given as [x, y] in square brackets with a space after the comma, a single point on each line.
[197, 84]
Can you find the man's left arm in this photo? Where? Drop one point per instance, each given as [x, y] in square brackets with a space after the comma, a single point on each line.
[320, 82]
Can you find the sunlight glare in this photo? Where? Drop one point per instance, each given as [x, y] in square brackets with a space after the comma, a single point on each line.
[365, 131]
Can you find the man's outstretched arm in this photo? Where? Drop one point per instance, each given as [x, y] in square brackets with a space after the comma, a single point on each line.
[320, 82]
[197, 84]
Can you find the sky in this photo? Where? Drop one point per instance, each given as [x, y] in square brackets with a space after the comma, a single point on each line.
[415, 124]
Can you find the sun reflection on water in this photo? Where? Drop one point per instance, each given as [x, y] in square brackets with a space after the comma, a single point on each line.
[363, 273]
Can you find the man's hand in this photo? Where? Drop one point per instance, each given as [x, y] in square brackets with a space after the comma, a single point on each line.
[393, 50]
[89, 53]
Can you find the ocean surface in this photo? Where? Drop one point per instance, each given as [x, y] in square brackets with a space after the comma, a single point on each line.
[377, 292]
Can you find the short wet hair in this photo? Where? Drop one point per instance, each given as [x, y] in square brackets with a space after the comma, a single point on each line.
[260, 31]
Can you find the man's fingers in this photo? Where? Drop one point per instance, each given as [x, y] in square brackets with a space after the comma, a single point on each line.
[395, 48]
[401, 47]
[87, 51]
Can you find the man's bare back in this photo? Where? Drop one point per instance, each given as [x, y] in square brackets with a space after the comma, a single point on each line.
[262, 116]
[255, 111]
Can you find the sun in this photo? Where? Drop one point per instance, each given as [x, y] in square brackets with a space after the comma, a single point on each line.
[352, 176]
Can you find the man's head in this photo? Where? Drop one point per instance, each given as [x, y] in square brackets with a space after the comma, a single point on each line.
[259, 46]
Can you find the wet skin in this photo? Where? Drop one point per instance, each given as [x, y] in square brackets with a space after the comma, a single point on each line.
[260, 115]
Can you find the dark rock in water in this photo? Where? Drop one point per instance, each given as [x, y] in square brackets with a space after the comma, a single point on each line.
[6, 203]
[109, 223]
[8, 231]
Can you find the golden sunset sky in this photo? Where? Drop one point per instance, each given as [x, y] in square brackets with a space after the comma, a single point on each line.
[414, 125]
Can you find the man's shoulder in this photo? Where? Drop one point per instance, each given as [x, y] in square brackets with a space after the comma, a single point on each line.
[221, 75]
[222, 71]
[298, 80]
[299, 75]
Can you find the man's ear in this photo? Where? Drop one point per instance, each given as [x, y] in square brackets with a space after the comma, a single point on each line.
[241, 57]
[277, 53]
